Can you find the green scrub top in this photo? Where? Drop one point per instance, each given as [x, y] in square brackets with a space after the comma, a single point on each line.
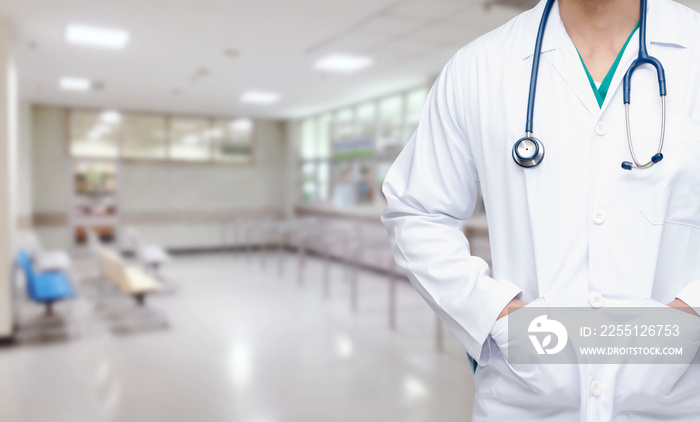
[601, 91]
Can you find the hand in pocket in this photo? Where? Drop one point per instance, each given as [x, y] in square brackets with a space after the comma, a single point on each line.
[654, 386]
[535, 383]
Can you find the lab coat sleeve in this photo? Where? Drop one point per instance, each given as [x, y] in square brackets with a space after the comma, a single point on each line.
[433, 184]
[691, 295]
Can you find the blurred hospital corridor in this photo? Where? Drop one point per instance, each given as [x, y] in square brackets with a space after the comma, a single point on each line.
[243, 344]
[190, 210]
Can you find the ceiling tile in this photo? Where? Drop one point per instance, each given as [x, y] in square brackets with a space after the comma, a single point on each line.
[441, 32]
[388, 26]
[406, 47]
[427, 9]
[484, 18]
[349, 43]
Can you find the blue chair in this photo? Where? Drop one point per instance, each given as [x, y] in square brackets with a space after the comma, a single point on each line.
[47, 287]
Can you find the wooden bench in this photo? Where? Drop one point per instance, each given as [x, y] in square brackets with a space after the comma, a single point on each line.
[131, 280]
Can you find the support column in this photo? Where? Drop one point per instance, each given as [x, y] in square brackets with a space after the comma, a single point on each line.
[8, 172]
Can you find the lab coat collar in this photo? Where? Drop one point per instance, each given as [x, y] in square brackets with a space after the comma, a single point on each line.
[549, 40]
[661, 27]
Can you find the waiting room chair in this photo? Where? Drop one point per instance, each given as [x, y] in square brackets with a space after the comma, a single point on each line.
[151, 256]
[45, 260]
[44, 287]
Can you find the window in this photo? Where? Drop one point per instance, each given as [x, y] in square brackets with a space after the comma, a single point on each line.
[367, 122]
[345, 155]
[414, 108]
[191, 139]
[308, 139]
[233, 140]
[324, 136]
[308, 182]
[144, 136]
[391, 136]
[347, 142]
[110, 134]
[324, 185]
[94, 134]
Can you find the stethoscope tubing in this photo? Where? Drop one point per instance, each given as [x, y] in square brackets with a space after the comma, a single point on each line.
[642, 58]
[536, 67]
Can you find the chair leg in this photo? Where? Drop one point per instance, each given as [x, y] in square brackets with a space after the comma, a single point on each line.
[140, 299]
[49, 309]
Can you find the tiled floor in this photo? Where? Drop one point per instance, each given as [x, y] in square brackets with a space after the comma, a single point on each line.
[242, 344]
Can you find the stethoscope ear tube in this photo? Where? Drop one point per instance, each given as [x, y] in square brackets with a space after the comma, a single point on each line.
[627, 165]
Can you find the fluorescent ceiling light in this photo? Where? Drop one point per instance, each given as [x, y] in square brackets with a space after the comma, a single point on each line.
[95, 36]
[343, 63]
[259, 97]
[75, 84]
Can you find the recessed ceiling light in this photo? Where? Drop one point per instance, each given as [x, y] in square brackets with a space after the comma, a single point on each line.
[95, 36]
[343, 63]
[259, 97]
[75, 84]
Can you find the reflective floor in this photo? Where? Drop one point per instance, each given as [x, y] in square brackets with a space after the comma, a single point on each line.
[241, 344]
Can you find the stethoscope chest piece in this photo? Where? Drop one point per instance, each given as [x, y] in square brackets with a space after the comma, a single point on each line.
[528, 152]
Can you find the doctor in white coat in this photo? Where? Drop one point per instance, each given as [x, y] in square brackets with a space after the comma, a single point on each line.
[577, 230]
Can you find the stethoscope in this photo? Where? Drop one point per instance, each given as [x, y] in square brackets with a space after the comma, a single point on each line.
[529, 151]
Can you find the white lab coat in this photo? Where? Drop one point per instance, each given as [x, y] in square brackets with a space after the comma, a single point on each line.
[578, 230]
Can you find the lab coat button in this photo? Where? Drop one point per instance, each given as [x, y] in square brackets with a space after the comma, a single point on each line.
[599, 216]
[601, 128]
[596, 300]
[596, 388]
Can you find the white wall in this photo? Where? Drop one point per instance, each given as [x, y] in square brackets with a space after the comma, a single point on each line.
[49, 170]
[8, 162]
[174, 204]
[24, 164]
[218, 191]
[292, 184]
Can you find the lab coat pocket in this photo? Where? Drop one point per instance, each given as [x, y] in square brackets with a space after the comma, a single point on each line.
[670, 190]
[531, 384]
[669, 387]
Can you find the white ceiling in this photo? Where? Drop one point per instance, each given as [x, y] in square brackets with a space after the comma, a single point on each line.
[278, 40]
